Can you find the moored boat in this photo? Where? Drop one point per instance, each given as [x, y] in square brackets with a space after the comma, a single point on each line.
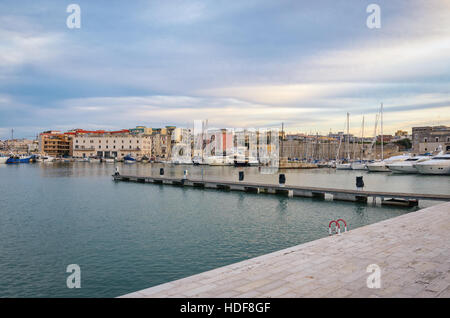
[439, 165]
[129, 159]
[18, 159]
[359, 165]
[407, 166]
[382, 166]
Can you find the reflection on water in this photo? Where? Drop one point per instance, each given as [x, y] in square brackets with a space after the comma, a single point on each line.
[130, 236]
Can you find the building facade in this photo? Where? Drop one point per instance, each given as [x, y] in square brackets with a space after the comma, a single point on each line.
[430, 138]
[55, 144]
[110, 144]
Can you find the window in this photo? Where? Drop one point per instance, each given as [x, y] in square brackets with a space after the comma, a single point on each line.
[84, 141]
[437, 139]
[76, 140]
[99, 147]
[425, 139]
[106, 147]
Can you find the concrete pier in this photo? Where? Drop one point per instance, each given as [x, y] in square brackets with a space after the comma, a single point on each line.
[412, 252]
[386, 198]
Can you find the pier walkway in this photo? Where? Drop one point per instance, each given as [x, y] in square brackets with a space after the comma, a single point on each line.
[412, 252]
[388, 198]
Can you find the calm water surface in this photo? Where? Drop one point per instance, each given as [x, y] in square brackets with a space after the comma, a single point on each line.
[128, 236]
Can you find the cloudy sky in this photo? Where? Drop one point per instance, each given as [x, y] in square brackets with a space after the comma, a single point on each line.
[249, 63]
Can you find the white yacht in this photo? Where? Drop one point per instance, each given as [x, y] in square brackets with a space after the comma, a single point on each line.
[439, 164]
[47, 158]
[343, 166]
[359, 165]
[407, 166]
[3, 159]
[382, 166]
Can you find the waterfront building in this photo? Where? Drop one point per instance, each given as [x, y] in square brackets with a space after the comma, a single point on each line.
[430, 138]
[110, 144]
[55, 144]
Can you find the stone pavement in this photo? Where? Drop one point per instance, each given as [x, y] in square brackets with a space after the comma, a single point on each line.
[412, 252]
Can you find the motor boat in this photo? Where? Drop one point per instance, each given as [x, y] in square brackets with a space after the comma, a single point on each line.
[129, 159]
[3, 159]
[94, 159]
[407, 166]
[358, 165]
[343, 165]
[381, 166]
[108, 160]
[19, 159]
[439, 164]
[47, 159]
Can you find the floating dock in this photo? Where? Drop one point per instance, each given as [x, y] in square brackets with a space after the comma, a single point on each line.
[410, 253]
[386, 198]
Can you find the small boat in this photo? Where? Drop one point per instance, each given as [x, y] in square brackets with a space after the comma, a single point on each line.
[439, 165]
[3, 159]
[94, 159]
[47, 159]
[343, 166]
[108, 160]
[129, 159]
[359, 165]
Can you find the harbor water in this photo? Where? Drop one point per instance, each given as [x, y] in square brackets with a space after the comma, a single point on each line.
[129, 236]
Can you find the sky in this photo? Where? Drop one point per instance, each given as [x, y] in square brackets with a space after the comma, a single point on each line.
[243, 64]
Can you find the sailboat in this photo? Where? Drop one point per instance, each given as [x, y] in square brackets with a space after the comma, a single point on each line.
[382, 165]
[345, 165]
[360, 165]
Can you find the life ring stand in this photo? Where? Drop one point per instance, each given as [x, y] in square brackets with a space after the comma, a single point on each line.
[337, 226]
[345, 224]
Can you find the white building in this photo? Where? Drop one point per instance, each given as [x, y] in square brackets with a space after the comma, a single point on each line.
[111, 144]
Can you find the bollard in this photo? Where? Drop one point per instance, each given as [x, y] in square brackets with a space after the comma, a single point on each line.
[282, 179]
[161, 171]
[241, 175]
[359, 182]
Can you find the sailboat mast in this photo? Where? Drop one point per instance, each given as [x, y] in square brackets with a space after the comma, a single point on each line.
[382, 136]
[362, 140]
[348, 135]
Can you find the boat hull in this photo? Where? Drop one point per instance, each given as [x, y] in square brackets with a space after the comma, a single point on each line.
[402, 168]
[343, 166]
[377, 168]
[359, 166]
[433, 169]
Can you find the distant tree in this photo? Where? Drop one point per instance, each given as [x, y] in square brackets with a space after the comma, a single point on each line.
[404, 143]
